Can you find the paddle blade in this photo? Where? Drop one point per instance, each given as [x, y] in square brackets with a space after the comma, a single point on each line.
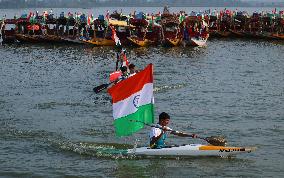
[100, 88]
[216, 140]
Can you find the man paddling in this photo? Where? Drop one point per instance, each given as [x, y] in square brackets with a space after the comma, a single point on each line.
[124, 74]
[158, 134]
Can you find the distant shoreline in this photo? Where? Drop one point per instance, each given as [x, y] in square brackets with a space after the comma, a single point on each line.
[42, 7]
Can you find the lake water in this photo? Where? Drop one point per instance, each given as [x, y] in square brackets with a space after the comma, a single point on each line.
[53, 125]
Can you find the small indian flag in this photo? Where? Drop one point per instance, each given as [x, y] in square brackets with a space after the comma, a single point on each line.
[115, 37]
[133, 102]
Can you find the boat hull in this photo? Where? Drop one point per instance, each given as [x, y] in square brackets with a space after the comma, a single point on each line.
[198, 42]
[172, 41]
[9, 39]
[29, 38]
[139, 42]
[278, 36]
[100, 42]
[237, 33]
[73, 40]
[191, 150]
[222, 34]
[51, 38]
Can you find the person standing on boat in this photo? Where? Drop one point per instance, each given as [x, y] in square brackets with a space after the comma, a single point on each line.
[158, 134]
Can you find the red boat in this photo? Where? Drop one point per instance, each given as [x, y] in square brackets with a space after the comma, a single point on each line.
[139, 34]
[195, 31]
[171, 33]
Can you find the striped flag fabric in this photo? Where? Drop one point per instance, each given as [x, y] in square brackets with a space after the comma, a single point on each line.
[125, 60]
[115, 37]
[133, 102]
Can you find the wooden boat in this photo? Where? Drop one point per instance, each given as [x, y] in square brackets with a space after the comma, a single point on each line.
[223, 34]
[278, 36]
[196, 41]
[192, 35]
[172, 41]
[171, 35]
[238, 24]
[28, 38]
[258, 35]
[114, 22]
[213, 25]
[154, 33]
[219, 27]
[121, 26]
[266, 35]
[139, 41]
[138, 34]
[7, 31]
[100, 42]
[75, 40]
[102, 34]
[51, 38]
[52, 30]
[199, 41]
[123, 32]
[213, 33]
[236, 33]
[154, 30]
[253, 27]
[27, 32]
[249, 34]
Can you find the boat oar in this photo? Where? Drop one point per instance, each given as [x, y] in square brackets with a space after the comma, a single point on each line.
[104, 86]
[100, 88]
[213, 140]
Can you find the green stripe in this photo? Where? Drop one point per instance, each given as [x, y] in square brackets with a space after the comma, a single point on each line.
[124, 127]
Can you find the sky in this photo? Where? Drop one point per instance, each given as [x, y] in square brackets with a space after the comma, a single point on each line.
[266, 0]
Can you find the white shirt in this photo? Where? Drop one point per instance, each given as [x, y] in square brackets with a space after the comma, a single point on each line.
[132, 74]
[155, 132]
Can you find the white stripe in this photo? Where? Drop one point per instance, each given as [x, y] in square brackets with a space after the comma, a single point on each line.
[130, 105]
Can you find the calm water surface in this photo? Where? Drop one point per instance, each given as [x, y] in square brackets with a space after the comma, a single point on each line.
[53, 125]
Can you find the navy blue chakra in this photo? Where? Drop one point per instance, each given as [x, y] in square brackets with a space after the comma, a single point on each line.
[136, 101]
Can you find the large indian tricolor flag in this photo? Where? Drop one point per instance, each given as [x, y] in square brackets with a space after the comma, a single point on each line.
[133, 102]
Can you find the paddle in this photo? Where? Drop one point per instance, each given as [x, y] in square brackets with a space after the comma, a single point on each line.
[100, 88]
[213, 140]
[114, 77]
